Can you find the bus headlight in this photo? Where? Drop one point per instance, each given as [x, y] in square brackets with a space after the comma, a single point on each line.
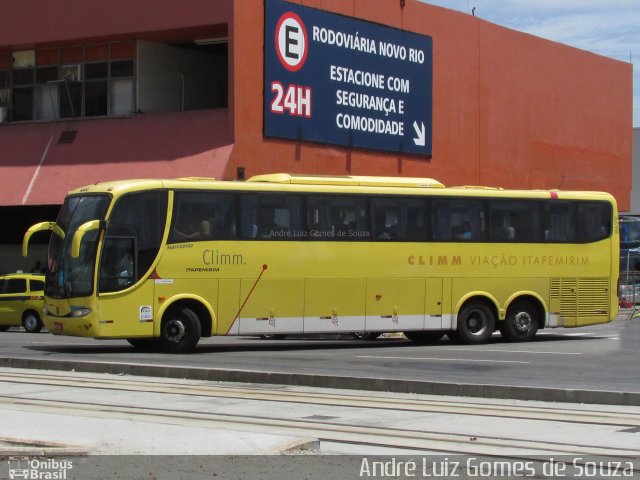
[80, 312]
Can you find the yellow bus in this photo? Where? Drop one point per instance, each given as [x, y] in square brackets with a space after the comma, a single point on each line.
[162, 263]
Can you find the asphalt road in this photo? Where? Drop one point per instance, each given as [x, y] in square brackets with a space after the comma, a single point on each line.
[595, 364]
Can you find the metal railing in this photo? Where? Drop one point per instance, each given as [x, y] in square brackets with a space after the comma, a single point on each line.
[629, 293]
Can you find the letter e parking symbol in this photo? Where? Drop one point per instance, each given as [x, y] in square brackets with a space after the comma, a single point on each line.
[291, 41]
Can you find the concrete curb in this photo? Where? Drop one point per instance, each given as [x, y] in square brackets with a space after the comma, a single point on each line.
[333, 381]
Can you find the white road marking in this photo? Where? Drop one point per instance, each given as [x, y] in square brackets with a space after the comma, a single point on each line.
[531, 351]
[442, 359]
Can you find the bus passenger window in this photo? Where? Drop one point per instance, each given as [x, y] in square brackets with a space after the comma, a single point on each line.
[560, 225]
[462, 232]
[271, 216]
[506, 232]
[458, 219]
[515, 220]
[188, 227]
[337, 218]
[265, 223]
[340, 223]
[594, 221]
[388, 226]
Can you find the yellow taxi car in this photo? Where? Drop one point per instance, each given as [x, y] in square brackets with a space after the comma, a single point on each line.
[21, 301]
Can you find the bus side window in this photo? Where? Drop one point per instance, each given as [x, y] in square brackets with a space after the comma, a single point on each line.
[441, 220]
[272, 216]
[458, 219]
[594, 221]
[265, 223]
[318, 219]
[337, 218]
[415, 217]
[560, 224]
[218, 216]
[248, 216]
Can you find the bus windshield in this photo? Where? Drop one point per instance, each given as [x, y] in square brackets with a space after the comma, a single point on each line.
[73, 277]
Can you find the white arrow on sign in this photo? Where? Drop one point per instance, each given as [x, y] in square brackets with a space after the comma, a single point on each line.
[420, 139]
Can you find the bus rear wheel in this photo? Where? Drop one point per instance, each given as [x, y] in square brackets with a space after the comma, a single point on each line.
[521, 323]
[180, 330]
[424, 338]
[476, 323]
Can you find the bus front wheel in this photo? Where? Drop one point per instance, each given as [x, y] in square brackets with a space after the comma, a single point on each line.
[476, 323]
[521, 323]
[180, 330]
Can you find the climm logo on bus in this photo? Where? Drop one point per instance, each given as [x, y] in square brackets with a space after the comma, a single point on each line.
[501, 260]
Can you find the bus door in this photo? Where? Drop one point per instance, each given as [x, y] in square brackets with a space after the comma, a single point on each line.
[124, 307]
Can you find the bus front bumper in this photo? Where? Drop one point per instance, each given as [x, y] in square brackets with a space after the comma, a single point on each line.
[74, 326]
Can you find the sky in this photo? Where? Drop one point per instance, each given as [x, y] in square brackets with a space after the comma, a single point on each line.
[606, 27]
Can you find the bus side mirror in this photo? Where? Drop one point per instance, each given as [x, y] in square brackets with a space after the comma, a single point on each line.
[79, 234]
[39, 227]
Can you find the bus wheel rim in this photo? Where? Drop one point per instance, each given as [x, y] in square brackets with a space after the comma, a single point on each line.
[174, 331]
[522, 322]
[476, 323]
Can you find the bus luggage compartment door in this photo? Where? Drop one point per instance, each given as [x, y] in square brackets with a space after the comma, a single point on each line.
[395, 304]
[271, 306]
[334, 305]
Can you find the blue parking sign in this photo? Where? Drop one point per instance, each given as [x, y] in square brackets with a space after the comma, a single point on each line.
[338, 80]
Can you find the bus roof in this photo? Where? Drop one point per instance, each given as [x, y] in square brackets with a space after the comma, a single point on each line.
[332, 183]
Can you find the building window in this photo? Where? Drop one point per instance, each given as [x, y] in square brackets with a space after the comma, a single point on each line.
[114, 78]
[92, 80]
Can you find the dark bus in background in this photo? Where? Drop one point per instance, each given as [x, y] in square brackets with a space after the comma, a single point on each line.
[629, 260]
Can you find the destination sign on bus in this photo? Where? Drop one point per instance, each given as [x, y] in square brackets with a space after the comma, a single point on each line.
[338, 80]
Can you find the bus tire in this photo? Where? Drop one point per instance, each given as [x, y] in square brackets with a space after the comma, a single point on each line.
[31, 322]
[521, 323]
[180, 330]
[476, 323]
[424, 338]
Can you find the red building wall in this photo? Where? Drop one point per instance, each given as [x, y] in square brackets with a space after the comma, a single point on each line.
[509, 109]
